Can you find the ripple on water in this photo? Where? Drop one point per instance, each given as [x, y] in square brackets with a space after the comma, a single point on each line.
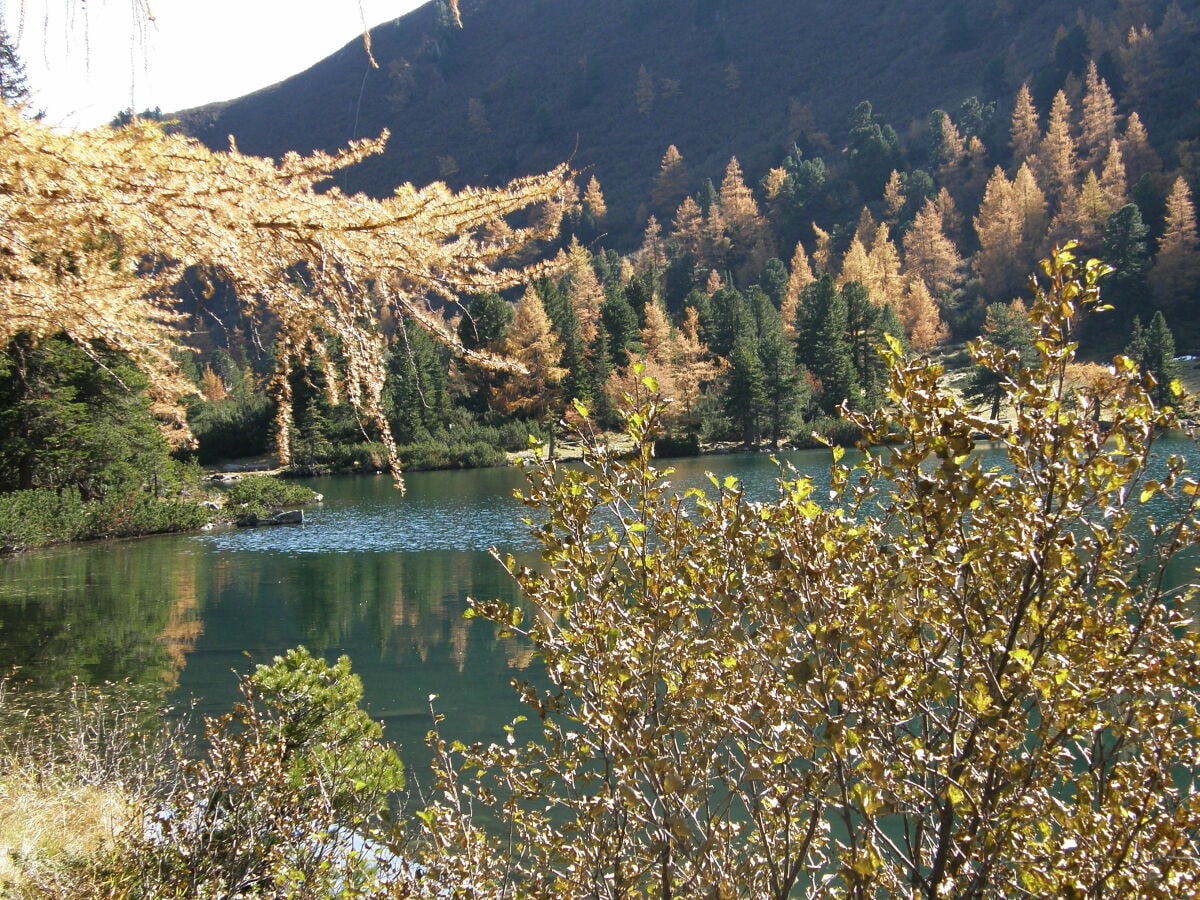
[384, 529]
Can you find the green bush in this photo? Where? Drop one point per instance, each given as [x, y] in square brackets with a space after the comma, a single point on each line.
[267, 492]
[39, 518]
[292, 783]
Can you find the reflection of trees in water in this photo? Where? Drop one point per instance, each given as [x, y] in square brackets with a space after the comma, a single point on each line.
[112, 612]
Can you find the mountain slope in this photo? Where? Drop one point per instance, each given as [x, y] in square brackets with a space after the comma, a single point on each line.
[611, 83]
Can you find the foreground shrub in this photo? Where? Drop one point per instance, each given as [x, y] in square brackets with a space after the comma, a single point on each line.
[948, 680]
[293, 782]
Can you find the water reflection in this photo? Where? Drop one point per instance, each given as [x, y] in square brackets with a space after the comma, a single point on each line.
[382, 577]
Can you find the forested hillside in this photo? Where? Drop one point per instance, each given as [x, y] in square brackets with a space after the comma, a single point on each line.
[611, 84]
[749, 231]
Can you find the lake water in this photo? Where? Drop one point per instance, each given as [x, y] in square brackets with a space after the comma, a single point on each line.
[379, 576]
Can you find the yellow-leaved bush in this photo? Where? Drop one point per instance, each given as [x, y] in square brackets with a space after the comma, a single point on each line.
[952, 677]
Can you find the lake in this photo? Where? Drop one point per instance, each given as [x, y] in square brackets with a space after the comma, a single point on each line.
[373, 574]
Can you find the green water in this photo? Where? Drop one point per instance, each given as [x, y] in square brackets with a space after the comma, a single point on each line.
[379, 576]
[373, 574]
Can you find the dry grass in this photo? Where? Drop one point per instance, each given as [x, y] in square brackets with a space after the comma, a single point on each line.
[76, 770]
[47, 826]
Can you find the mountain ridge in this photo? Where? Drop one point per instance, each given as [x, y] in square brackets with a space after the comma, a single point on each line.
[528, 83]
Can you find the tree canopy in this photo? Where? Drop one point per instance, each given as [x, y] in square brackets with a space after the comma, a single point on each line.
[96, 229]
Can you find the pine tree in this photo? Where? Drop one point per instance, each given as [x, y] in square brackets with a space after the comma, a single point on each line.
[864, 336]
[823, 344]
[1176, 273]
[774, 280]
[783, 388]
[1125, 248]
[1153, 349]
[621, 324]
[1024, 132]
[14, 86]
[745, 388]
[643, 91]
[1006, 326]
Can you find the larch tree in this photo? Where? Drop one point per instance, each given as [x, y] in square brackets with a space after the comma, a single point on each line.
[1098, 118]
[1114, 183]
[746, 228]
[1176, 273]
[1057, 163]
[99, 226]
[929, 255]
[921, 318]
[670, 183]
[584, 291]
[999, 226]
[1140, 158]
[800, 276]
[856, 265]
[593, 201]
[531, 342]
[887, 282]
[687, 229]
[822, 255]
[1024, 131]
[894, 197]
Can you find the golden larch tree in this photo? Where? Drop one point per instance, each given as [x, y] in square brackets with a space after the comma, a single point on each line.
[593, 200]
[1113, 180]
[929, 254]
[1024, 131]
[921, 317]
[746, 229]
[584, 292]
[999, 227]
[531, 342]
[670, 184]
[1140, 158]
[1176, 273]
[800, 276]
[1056, 162]
[1098, 118]
[99, 226]
[687, 229]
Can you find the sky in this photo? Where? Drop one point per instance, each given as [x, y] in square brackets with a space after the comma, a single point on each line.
[88, 61]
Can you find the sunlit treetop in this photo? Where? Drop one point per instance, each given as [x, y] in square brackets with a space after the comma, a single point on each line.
[96, 229]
